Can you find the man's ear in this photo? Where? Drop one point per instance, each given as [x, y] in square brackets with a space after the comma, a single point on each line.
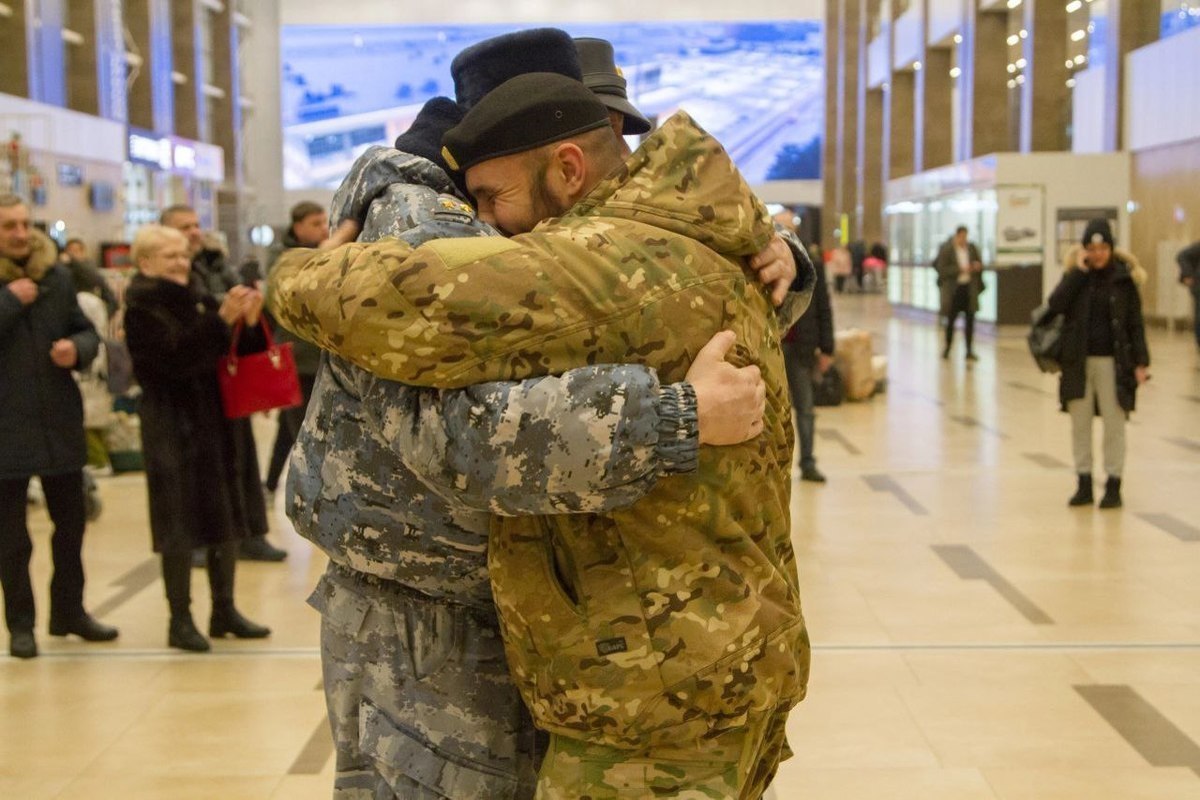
[568, 168]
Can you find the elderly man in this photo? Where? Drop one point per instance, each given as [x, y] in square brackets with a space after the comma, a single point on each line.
[661, 645]
[43, 336]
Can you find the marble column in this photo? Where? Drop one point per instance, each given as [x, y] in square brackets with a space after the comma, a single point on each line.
[1045, 97]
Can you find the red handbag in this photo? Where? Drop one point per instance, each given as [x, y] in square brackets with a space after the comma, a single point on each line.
[258, 381]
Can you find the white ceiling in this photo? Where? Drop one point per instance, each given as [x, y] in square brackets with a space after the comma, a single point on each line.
[393, 12]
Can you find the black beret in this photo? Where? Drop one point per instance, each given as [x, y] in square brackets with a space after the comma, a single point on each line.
[482, 67]
[602, 76]
[525, 112]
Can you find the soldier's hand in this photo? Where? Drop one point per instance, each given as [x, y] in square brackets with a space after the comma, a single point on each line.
[64, 354]
[24, 289]
[729, 400]
[776, 268]
[344, 234]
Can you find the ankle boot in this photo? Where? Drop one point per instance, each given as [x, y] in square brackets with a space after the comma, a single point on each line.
[1083, 495]
[227, 620]
[183, 635]
[1112, 494]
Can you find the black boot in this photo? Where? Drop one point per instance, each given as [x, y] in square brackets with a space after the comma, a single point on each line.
[1083, 495]
[222, 563]
[183, 635]
[21, 644]
[1112, 494]
[227, 620]
[257, 548]
[85, 626]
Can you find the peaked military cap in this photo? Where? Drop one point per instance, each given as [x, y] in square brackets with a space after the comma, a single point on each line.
[525, 112]
[602, 75]
[482, 67]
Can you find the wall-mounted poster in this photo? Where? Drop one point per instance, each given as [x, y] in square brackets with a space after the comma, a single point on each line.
[1019, 224]
[758, 87]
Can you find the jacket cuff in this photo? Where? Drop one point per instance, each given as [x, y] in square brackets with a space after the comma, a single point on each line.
[678, 446]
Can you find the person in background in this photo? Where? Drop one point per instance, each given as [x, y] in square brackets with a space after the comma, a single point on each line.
[43, 336]
[807, 348]
[875, 266]
[86, 276]
[209, 262]
[1104, 354]
[1189, 276]
[841, 266]
[960, 279]
[309, 226]
[201, 474]
[210, 266]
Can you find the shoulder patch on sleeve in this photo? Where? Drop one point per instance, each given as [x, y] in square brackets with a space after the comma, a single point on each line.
[459, 252]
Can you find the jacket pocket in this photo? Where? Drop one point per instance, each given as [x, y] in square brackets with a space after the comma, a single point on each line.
[586, 669]
[340, 607]
[402, 756]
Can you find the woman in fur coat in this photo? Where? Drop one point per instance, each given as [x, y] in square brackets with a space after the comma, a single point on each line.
[200, 467]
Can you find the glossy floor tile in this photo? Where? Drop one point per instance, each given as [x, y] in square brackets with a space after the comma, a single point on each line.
[943, 524]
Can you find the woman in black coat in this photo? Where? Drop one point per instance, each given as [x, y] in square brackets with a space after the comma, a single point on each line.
[200, 467]
[1104, 355]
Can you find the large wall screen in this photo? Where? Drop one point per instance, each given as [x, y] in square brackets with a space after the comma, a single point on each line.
[758, 87]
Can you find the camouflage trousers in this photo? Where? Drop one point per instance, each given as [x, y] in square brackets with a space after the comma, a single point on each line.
[735, 765]
[419, 697]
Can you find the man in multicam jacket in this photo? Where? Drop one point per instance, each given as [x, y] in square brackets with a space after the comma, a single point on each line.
[393, 483]
[661, 644]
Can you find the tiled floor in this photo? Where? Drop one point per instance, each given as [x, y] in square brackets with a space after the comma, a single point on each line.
[974, 639]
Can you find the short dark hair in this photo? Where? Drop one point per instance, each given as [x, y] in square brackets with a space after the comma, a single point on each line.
[73, 240]
[178, 208]
[305, 208]
[960, 229]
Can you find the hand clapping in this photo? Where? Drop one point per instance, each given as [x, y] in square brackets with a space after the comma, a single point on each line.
[242, 304]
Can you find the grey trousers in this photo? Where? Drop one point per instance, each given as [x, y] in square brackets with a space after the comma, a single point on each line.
[1100, 391]
[420, 701]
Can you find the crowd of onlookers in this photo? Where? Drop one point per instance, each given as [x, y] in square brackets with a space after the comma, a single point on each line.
[99, 373]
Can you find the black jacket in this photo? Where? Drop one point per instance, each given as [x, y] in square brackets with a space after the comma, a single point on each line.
[214, 273]
[1072, 299]
[946, 265]
[201, 469]
[1189, 262]
[814, 330]
[41, 413]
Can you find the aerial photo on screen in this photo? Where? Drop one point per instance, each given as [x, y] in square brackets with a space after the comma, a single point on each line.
[757, 86]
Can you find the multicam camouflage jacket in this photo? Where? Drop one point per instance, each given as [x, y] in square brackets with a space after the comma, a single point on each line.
[396, 481]
[679, 615]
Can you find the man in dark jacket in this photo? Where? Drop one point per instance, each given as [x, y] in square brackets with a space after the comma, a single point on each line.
[310, 225]
[208, 263]
[808, 347]
[960, 279]
[1189, 276]
[43, 336]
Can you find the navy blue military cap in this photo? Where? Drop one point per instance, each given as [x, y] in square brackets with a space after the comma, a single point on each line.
[484, 66]
[602, 75]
